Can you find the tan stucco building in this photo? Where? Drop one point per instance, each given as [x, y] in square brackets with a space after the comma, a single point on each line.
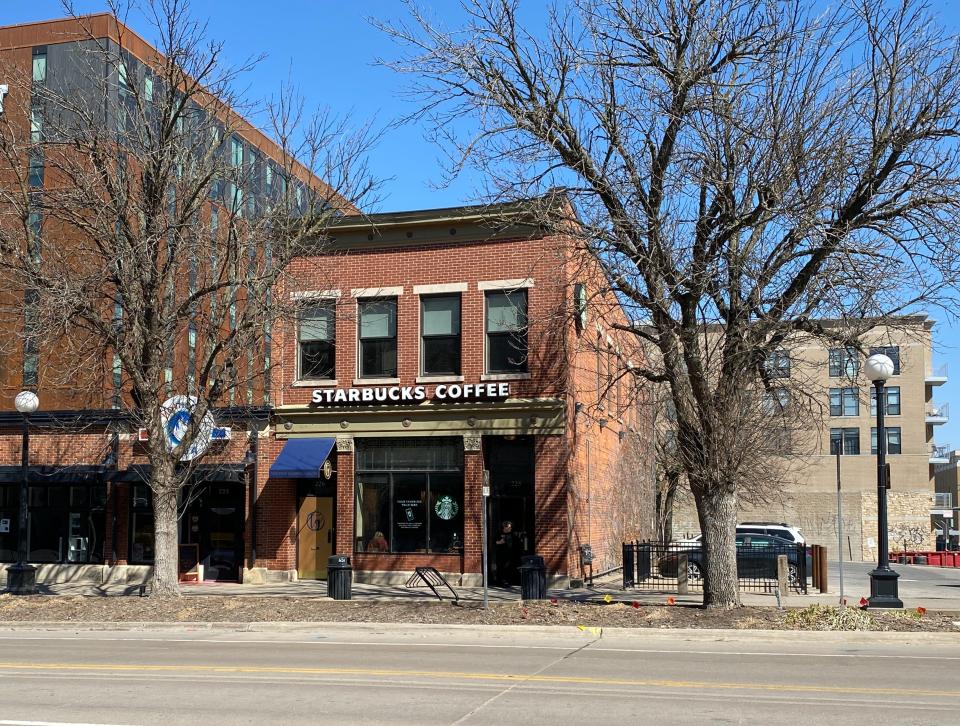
[840, 406]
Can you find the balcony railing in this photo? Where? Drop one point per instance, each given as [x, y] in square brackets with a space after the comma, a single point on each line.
[938, 376]
[938, 413]
[940, 454]
[943, 500]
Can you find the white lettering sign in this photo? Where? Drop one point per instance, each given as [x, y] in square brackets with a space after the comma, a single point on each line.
[409, 394]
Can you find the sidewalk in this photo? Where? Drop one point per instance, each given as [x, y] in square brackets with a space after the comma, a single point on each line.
[608, 587]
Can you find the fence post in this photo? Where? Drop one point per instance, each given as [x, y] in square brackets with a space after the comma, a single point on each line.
[822, 562]
[628, 578]
[783, 579]
[683, 587]
[815, 565]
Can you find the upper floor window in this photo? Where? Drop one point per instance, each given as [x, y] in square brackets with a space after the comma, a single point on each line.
[40, 65]
[506, 331]
[844, 402]
[378, 338]
[317, 341]
[440, 331]
[893, 440]
[847, 440]
[892, 396]
[777, 364]
[775, 401]
[892, 352]
[844, 362]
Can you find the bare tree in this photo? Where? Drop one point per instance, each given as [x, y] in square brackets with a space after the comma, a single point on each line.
[741, 168]
[153, 251]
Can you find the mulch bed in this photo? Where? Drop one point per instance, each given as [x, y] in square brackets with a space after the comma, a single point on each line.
[249, 609]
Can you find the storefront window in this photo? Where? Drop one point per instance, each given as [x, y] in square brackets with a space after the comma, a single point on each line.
[141, 526]
[9, 512]
[409, 496]
[66, 523]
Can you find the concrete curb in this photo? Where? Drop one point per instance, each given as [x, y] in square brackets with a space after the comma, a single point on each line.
[421, 630]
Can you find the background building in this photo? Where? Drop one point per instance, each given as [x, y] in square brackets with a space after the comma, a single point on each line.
[90, 513]
[829, 389]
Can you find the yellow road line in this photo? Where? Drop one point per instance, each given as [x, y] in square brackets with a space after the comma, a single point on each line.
[465, 675]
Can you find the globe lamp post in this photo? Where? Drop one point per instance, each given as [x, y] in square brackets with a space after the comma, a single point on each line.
[883, 580]
[22, 577]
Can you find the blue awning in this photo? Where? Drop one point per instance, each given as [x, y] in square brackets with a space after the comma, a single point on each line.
[302, 458]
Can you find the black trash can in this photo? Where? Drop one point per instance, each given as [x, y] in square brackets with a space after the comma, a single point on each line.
[339, 577]
[533, 578]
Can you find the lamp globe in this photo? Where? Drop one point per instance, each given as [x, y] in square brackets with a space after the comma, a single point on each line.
[878, 367]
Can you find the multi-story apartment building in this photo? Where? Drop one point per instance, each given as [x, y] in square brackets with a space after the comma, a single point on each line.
[946, 505]
[88, 503]
[841, 408]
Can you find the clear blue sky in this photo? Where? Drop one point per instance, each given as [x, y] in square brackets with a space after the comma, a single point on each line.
[329, 48]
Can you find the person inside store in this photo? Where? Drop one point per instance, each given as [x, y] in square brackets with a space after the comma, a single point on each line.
[378, 543]
[507, 555]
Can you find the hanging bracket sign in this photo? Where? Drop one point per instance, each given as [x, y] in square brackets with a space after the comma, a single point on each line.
[176, 416]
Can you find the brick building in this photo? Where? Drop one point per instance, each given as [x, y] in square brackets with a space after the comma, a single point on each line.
[434, 350]
[89, 510]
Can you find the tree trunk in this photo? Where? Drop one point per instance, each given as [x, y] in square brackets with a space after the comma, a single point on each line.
[665, 507]
[717, 510]
[166, 556]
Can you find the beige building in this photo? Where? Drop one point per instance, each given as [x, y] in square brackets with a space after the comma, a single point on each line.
[946, 502]
[840, 404]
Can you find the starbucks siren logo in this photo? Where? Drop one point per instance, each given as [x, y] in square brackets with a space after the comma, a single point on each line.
[446, 507]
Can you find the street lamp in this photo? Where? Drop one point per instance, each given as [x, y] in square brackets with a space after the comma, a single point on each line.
[21, 577]
[883, 580]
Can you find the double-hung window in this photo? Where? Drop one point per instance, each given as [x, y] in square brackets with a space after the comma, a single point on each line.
[893, 439]
[844, 362]
[317, 340]
[844, 402]
[892, 398]
[848, 439]
[892, 352]
[440, 333]
[777, 364]
[378, 338]
[506, 313]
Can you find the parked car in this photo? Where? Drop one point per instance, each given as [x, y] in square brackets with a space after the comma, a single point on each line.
[756, 557]
[777, 529]
[781, 530]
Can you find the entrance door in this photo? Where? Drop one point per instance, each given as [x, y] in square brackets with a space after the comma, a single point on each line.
[220, 513]
[314, 537]
[511, 466]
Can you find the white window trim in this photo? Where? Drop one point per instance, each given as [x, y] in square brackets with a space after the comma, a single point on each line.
[505, 377]
[315, 294]
[384, 292]
[360, 292]
[433, 290]
[439, 379]
[440, 289]
[315, 382]
[505, 284]
[486, 376]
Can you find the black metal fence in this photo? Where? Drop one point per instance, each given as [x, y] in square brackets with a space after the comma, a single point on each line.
[655, 565]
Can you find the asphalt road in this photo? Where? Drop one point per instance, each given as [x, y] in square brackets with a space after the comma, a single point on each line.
[918, 584]
[395, 675]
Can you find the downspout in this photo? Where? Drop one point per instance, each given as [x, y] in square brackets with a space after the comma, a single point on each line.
[253, 452]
